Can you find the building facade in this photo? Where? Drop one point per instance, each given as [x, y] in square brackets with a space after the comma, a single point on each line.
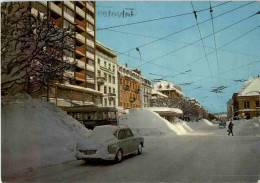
[106, 74]
[129, 87]
[246, 101]
[146, 92]
[78, 84]
[169, 89]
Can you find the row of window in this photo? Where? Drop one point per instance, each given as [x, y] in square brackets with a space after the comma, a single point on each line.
[109, 102]
[247, 104]
[105, 65]
[128, 105]
[108, 78]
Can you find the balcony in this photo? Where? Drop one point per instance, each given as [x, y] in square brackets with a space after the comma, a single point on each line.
[126, 87]
[91, 32]
[100, 80]
[68, 59]
[90, 68]
[80, 12]
[132, 100]
[80, 51]
[80, 38]
[68, 17]
[90, 43]
[90, 55]
[90, 8]
[80, 64]
[80, 77]
[55, 8]
[107, 70]
[90, 80]
[81, 25]
[67, 3]
[90, 19]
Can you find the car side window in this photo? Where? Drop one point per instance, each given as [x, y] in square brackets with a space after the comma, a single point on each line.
[121, 134]
[129, 133]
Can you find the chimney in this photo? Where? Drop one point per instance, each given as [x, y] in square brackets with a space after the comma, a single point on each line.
[126, 65]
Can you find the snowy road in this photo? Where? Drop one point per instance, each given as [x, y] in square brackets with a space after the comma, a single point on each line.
[206, 156]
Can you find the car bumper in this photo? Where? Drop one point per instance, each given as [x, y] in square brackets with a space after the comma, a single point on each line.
[98, 156]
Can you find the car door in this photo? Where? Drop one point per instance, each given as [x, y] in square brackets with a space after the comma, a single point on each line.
[132, 141]
[122, 141]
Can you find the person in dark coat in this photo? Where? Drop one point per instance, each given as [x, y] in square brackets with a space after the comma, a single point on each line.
[230, 128]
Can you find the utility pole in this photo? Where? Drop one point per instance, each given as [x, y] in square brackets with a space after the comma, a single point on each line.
[141, 83]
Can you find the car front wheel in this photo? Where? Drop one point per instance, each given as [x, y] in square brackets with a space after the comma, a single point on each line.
[119, 156]
[140, 149]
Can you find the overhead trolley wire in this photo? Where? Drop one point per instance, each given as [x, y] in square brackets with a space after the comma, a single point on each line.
[156, 19]
[195, 14]
[187, 28]
[166, 54]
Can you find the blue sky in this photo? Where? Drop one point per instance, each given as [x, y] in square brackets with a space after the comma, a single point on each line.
[238, 60]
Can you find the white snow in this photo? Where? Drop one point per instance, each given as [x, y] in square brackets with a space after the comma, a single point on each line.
[250, 88]
[148, 123]
[167, 85]
[166, 110]
[36, 133]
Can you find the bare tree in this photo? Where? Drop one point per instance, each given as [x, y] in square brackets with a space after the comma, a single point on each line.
[34, 50]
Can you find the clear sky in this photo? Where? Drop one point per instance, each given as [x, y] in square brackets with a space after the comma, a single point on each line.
[237, 60]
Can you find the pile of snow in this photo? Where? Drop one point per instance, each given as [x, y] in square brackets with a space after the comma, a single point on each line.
[247, 127]
[36, 133]
[207, 122]
[148, 123]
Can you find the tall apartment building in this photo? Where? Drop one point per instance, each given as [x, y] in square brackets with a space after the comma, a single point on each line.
[129, 87]
[146, 92]
[106, 74]
[78, 85]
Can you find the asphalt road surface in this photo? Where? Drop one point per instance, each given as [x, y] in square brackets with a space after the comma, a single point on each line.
[204, 156]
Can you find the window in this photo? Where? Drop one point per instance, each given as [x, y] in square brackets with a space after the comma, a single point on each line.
[98, 61]
[113, 68]
[128, 133]
[99, 73]
[98, 87]
[109, 78]
[90, 49]
[114, 91]
[109, 66]
[121, 134]
[105, 102]
[114, 103]
[105, 89]
[105, 75]
[248, 105]
[257, 103]
[109, 89]
[114, 80]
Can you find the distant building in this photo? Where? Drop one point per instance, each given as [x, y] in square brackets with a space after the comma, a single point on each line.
[169, 89]
[156, 94]
[106, 74]
[146, 92]
[129, 87]
[246, 100]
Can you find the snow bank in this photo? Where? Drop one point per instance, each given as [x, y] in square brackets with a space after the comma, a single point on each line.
[207, 122]
[36, 133]
[247, 127]
[148, 123]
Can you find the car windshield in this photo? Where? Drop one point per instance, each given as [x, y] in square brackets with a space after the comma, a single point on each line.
[104, 133]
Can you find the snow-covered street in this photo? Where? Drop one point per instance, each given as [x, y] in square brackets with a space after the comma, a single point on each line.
[207, 156]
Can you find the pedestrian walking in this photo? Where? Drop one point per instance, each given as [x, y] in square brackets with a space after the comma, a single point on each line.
[230, 128]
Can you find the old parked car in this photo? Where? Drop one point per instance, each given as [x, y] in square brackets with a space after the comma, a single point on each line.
[222, 124]
[110, 142]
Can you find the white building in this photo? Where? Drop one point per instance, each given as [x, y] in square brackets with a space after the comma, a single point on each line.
[106, 74]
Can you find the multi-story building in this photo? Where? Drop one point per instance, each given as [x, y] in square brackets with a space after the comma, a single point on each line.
[230, 109]
[246, 102]
[106, 74]
[146, 92]
[129, 87]
[169, 89]
[78, 85]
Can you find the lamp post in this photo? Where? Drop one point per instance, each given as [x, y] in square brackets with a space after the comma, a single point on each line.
[141, 83]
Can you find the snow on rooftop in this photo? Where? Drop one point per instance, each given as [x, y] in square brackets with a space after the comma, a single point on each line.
[155, 92]
[250, 88]
[166, 110]
[167, 85]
